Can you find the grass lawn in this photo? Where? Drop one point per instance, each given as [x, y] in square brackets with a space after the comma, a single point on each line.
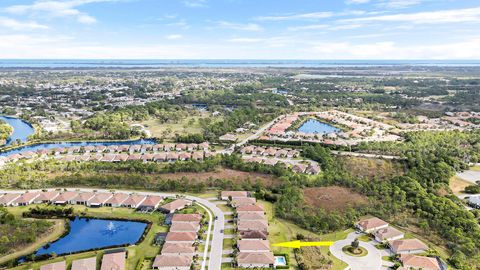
[225, 208]
[364, 238]
[283, 231]
[228, 243]
[475, 168]
[458, 185]
[144, 250]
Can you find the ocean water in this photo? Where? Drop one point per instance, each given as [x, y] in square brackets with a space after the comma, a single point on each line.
[153, 63]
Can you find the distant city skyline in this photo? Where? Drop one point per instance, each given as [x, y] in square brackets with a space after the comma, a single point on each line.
[240, 29]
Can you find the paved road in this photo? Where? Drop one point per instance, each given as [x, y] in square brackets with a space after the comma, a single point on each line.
[373, 260]
[470, 176]
[215, 257]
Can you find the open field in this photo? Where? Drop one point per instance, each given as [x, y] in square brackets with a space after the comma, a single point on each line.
[333, 198]
[458, 185]
[372, 168]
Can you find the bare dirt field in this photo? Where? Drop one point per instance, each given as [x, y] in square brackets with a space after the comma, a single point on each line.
[333, 198]
[458, 185]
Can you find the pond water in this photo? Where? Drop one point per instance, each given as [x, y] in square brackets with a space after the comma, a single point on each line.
[42, 146]
[86, 234]
[21, 129]
[317, 127]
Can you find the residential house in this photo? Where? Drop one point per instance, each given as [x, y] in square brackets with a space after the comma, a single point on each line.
[82, 198]
[371, 224]
[415, 262]
[388, 234]
[253, 234]
[250, 208]
[260, 225]
[116, 200]
[47, 196]
[114, 261]
[54, 266]
[26, 199]
[65, 197]
[175, 205]
[253, 245]
[9, 198]
[299, 168]
[246, 216]
[407, 246]
[186, 218]
[184, 227]
[99, 199]
[181, 237]
[151, 203]
[255, 259]
[313, 169]
[85, 264]
[243, 201]
[172, 262]
[178, 249]
[226, 195]
[134, 201]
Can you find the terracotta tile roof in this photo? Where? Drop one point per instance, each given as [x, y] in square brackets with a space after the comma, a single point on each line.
[9, 197]
[254, 234]
[152, 201]
[250, 216]
[256, 245]
[184, 227]
[386, 233]
[186, 218]
[371, 223]
[177, 248]
[234, 194]
[114, 261]
[100, 198]
[172, 261]
[27, 197]
[117, 198]
[250, 208]
[248, 225]
[243, 201]
[85, 264]
[48, 195]
[66, 196]
[403, 245]
[54, 266]
[84, 196]
[134, 199]
[255, 258]
[181, 236]
[419, 262]
[177, 204]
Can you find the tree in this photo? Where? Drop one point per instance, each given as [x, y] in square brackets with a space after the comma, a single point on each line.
[355, 243]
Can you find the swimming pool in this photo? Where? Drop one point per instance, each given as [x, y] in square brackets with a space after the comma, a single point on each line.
[280, 261]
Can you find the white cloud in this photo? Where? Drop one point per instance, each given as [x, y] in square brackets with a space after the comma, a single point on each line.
[308, 27]
[357, 1]
[428, 17]
[240, 26]
[19, 25]
[467, 49]
[302, 16]
[56, 8]
[195, 3]
[246, 40]
[397, 4]
[174, 37]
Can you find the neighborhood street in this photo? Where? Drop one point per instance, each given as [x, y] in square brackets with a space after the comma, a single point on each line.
[372, 261]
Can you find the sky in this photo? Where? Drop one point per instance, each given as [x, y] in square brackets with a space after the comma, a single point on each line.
[240, 29]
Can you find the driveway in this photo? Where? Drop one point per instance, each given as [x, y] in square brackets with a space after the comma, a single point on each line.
[373, 260]
[470, 176]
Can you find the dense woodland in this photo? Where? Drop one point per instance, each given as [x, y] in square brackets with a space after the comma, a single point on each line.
[5, 131]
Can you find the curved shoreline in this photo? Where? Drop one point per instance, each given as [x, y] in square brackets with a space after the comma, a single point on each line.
[9, 139]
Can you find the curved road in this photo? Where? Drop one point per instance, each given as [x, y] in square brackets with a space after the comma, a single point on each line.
[373, 260]
[215, 257]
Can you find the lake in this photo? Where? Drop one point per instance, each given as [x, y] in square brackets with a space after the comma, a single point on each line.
[21, 129]
[86, 234]
[316, 127]
[41, 146]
